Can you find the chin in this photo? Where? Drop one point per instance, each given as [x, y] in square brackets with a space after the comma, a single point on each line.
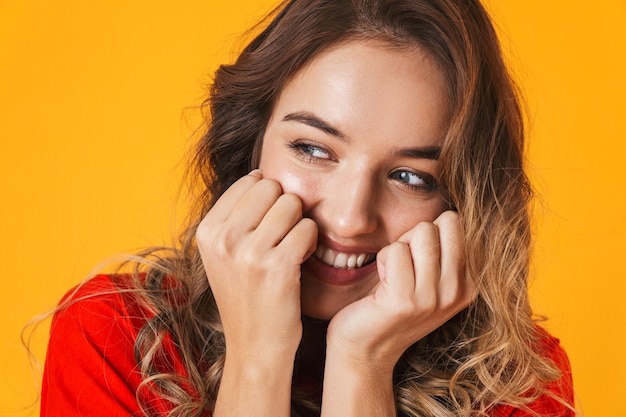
[322, 301]
[320, 312]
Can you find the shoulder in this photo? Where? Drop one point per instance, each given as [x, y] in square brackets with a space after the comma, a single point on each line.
[99, 306]
[90, 362]
[557, 396]
[551, 348]
[98, 320]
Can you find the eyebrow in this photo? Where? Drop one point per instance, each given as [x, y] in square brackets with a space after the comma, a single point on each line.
[310, 119]
[425, 152]
[314, 121]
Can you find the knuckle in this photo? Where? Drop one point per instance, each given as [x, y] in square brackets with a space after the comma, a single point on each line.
[408, 308]
[203, 226]
[456, 301]
[426, 239]
[448, 217]
[403, 309]
[308, 226]
[251, 258]
[448, 220]
[223, 245]
[292, 201]
[425, 227]
[250, 179]
[392, 249]
[452, 301]
[200, 235]
[429, 306]
[204, 235]
[270, 187]
[398, 249]
[425, 232]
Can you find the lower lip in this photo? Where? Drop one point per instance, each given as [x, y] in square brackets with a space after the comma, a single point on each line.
[337, 276]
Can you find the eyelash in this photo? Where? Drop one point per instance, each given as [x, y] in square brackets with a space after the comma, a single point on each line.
[305, 151]
[429, 183]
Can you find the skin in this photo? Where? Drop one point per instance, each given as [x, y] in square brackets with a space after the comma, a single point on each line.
[348, 163]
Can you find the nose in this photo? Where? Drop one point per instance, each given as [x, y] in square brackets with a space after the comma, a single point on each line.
[349, 207]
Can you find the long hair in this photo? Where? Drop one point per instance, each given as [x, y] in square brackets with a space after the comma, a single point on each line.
[484, 356]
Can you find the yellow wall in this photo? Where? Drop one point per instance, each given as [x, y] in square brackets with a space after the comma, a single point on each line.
[92, 127]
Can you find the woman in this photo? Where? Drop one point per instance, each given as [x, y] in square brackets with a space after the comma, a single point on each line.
[374, 265]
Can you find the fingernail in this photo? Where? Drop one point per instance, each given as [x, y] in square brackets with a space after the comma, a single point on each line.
[256, 173]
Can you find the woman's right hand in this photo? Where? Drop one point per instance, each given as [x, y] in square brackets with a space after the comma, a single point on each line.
[253, 243]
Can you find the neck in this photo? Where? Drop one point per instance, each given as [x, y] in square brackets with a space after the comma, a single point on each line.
[312, 351]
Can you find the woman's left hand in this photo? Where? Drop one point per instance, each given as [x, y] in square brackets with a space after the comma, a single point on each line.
[423, 283]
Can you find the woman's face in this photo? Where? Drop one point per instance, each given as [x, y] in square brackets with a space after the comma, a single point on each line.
[356, 135]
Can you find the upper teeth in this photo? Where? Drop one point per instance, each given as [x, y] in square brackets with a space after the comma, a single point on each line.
[341, 259]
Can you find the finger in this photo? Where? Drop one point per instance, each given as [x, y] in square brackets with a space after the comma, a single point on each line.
[456, 286]
[399, 280]
[253, 205]
[224, 206]
[381, 261]
[279, 220]
[300, 242]
[451, 241]
[425, 251]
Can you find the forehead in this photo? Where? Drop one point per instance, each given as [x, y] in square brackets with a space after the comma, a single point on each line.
[366, 87]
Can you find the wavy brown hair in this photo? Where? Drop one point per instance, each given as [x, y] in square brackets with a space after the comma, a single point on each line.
[484, 356]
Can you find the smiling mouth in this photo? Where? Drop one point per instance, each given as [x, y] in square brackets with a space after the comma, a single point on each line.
[343, 260]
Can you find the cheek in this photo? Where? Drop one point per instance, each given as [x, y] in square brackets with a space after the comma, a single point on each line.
[293, 181]
[398, 225]
[275, 164]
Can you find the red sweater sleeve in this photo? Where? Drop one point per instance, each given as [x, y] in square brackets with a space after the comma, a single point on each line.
[547, 405]
[90, 365]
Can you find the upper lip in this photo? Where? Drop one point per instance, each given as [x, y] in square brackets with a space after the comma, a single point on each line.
[338, 247]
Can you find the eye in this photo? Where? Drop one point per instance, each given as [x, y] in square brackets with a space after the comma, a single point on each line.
[310, 152]
[414, 180]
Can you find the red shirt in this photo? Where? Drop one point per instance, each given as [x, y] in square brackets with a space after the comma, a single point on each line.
[91, 368]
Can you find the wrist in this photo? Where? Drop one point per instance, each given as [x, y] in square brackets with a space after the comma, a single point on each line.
[380, 359]
[254, 382]
[366, 364]
[259, 362]
[357, 387]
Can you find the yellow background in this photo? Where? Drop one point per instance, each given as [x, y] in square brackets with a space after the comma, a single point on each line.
[93, 125]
